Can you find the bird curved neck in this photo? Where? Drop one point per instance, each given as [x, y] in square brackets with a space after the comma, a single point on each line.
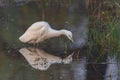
[55, 33]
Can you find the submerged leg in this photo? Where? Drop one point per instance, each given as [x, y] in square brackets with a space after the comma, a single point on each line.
[35, 45]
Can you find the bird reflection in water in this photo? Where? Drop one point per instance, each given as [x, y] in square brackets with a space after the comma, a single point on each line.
[39, 59]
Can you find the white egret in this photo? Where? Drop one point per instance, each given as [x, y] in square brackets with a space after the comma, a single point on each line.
[40, 31]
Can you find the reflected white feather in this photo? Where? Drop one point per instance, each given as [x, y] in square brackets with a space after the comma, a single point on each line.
[42, 60]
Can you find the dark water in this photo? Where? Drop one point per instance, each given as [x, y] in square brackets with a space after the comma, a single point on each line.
[50, 61]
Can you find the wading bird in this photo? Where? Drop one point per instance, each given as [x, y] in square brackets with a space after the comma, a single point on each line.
[40, 31]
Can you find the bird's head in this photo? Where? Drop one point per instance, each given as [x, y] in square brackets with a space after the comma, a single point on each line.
[68, 34]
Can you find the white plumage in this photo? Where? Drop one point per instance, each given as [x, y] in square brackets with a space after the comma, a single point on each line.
[40, 31]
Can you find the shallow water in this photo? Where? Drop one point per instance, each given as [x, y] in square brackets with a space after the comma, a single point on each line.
[50, 61]
[30, 66]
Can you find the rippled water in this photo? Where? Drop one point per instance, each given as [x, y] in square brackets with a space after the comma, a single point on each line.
[51, 61]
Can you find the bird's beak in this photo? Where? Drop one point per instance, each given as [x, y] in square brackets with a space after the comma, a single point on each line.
[72, 40]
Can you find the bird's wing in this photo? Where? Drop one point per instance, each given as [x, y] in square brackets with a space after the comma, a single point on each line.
[42, 34]
[35, 28]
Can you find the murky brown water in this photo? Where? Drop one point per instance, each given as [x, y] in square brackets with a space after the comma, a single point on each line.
[50, 61]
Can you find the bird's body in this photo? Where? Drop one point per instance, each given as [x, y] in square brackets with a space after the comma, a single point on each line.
[41, 31]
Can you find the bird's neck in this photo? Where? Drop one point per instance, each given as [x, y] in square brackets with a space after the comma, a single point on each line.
[55, 33]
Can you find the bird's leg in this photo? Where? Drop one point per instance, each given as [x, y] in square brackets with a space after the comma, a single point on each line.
[37, 44]
[33, 47]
